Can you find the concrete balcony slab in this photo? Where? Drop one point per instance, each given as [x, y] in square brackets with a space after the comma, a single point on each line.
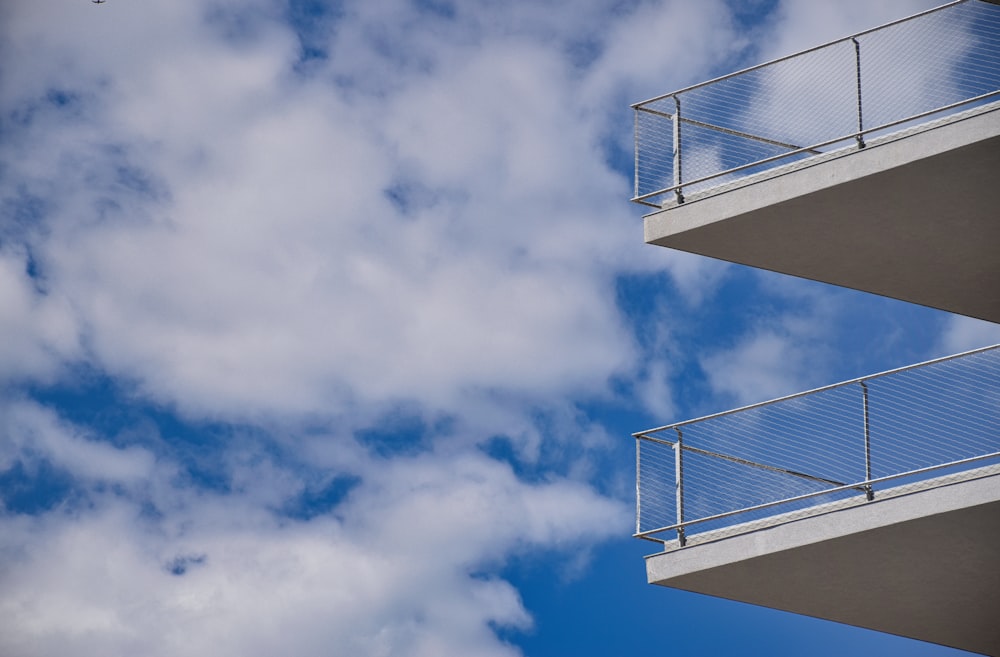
[914, 217]
[925, 565]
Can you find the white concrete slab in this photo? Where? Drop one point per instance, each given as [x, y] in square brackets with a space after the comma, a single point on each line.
[915, 218]
[924, 565]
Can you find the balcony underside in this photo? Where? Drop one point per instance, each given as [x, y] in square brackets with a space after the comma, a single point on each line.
[922, 565]
[915, 218]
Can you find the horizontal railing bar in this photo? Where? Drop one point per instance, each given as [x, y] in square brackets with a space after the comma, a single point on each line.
[922, 417]
[662, 441]
[643, 434]
[774, 158]
[797, 498]
[726, 172]
[666, 115]
[650, 538]
[797, 54]
[646, 203]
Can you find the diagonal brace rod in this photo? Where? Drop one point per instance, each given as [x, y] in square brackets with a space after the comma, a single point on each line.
[764, 466]
[730, 131]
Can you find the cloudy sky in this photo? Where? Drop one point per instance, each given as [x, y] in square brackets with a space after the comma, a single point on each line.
[324, 326]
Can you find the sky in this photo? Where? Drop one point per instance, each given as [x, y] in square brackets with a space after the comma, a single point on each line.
[324, 326]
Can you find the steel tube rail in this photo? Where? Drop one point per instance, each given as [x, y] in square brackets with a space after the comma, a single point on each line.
[763, 466]
[797, 54]
[677, 151]
[806, 496]
[868, 443]
[804, 149]
[919, 419]
[871, 377]
[724, 130]
[913, 420]
[679, 479]
[635, 133]
[741, 461]
[761, 99]
[638, 490]
[857, 73]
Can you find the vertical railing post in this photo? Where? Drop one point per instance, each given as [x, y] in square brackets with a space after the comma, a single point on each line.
[638, 486]
[679, 483]
[857, 76]
[678, 178]
[636, 176]
[869, 492]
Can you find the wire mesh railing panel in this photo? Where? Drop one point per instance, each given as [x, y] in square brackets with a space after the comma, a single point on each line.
[935, 415]
[656, 490]
[844, 441]
[705, 136]
[802, 100]
[942, 59]
[725, 486]
[654, 162]
[807, 434]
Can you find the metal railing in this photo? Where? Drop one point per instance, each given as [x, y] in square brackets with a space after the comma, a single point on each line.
[833, 96]
[844, 442]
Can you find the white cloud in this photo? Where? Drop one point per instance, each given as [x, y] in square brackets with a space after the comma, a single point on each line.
[761, 367]
[965, 333]
[37, 328]
[393, 571]
[803, 25]
[782, 352]
[224, 228]
[696, 277]
[662, 46]
[30, 433]
[426, 219]
[258, 267]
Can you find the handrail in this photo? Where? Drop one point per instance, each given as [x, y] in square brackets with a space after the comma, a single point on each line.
[860, 484]
[777, 400]
[820, 444]
[797, 150]
[755, 118]
[778, 60]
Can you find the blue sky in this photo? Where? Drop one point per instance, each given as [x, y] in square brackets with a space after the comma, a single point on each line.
[324, 326]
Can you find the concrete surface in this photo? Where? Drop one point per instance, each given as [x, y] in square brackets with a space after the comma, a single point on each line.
[915, 218]
[924, 565]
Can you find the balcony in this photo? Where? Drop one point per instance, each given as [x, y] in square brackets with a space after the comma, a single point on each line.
[874, 502]
[869, 162]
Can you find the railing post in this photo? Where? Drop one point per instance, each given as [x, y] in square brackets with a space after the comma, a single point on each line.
[678, 179]
[679, 483]
[869, 492]
[638, 486]
[635, 178]
[857, 76]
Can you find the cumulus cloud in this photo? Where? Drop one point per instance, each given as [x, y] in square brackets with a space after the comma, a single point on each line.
[292, 233]
[38, 328]
[394, 569]
[785, 349]
[236, 240]
[30, 433]
[660, 47]
[240, 239]
[424, 215]
[802, 25]
[965, 333]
